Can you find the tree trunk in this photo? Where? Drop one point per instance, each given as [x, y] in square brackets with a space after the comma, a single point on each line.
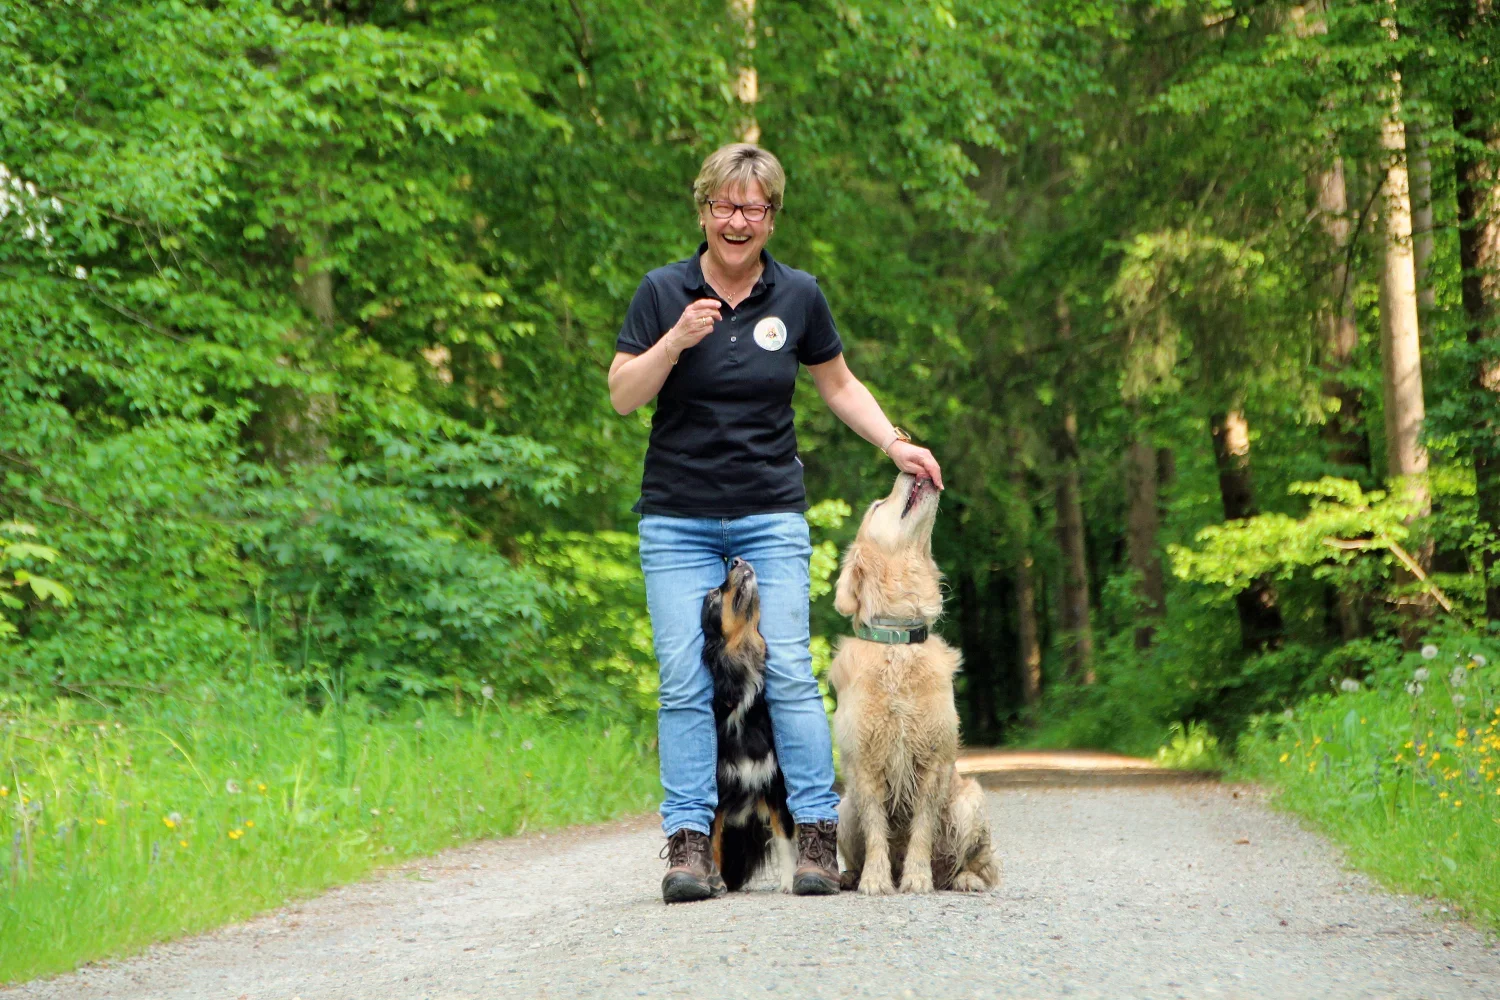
[1142, 525]
[747, 87]
[1078, 636]
[1348, 444]
[1261, 627]
[1029, 646]
[1400, 342]
[291, 427]
[1028, 638]
[1421, 217]
[1479, 256]
[979, 667]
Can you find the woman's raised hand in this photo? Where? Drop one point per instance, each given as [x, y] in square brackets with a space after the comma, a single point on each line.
[697, 321]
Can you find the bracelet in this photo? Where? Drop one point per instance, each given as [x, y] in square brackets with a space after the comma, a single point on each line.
[897, 434]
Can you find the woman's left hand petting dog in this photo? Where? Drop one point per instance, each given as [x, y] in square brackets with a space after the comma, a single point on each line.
[752, 816]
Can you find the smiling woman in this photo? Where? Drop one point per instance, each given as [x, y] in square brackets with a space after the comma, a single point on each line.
[717, 340]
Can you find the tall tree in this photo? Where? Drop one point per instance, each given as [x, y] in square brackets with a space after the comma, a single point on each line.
[1477, 165]
[1261, 625]
[1142, 526]
[1400, 341]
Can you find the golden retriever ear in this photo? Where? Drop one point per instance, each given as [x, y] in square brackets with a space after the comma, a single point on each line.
[845, 595]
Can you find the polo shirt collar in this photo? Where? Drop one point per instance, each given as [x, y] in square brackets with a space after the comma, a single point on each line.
[694, 281]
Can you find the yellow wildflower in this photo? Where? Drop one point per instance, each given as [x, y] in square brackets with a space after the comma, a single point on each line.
[237, 834]
[1284, 757]
[1457, 803]
[249, 822]
[183, 843]
[1442, 795]
[4, 791]
[168, 821]
[101, 821]
[261, 787]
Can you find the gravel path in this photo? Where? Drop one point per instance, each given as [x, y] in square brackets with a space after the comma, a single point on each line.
[1197, 891]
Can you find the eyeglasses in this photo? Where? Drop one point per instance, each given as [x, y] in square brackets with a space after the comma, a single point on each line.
[726, 209]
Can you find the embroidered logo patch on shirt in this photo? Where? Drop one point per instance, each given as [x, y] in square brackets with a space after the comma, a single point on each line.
[770, 333]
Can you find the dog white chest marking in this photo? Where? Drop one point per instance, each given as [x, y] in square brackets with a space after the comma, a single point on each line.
[749, 773]
[770, 333]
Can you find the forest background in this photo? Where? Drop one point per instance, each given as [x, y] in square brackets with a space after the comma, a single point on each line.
[306, 312]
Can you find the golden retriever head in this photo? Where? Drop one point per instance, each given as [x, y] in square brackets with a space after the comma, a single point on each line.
[889, 570]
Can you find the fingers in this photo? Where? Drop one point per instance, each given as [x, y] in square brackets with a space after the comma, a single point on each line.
[920, 462]
[698, 319]
[930, 464]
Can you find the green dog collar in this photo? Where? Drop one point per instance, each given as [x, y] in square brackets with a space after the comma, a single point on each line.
[893, 631]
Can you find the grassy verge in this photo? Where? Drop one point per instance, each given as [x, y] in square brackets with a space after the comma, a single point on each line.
[1406, 776]
[122, 829]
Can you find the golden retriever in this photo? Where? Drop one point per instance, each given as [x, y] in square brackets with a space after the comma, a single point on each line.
[907, 817]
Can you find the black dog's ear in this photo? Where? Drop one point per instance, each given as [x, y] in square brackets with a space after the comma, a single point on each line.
[713, 603]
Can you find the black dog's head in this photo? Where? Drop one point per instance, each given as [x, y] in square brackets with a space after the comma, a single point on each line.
[731, 615]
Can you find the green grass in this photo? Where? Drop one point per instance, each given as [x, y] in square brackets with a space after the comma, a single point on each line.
[125, 828]
[1408, 782]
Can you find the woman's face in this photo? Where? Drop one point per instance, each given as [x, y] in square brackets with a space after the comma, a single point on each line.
[735, 243]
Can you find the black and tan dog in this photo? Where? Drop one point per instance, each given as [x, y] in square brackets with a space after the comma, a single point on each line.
[752, 814]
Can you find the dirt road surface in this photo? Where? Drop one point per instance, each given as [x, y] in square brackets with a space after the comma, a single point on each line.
[1190, 891]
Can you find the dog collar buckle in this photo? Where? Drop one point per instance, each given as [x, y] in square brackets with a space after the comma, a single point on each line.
[893, 631]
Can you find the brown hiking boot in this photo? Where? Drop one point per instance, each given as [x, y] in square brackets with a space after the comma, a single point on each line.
[691, 872]
[817, 859]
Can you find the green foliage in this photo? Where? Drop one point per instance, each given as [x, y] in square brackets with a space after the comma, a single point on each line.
[16, 554]
[1404, 771]
[1190, 748]
[1233, 554]
[175, 816]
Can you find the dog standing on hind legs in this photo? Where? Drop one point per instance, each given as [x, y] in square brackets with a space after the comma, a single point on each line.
[752, 815]
[908, 818]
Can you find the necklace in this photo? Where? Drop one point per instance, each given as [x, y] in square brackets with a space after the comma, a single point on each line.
[725, 289]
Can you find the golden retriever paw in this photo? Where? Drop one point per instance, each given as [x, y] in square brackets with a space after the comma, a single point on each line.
[872, 886]
[969, 882]
[918, 880]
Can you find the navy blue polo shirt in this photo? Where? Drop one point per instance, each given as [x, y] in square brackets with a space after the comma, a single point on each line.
[722, 440]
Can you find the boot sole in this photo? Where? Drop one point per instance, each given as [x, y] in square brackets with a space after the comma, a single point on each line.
[815, 885]
[683, 888]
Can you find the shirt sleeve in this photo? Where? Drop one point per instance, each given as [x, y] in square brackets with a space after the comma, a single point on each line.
[642, 327]
[820, 339]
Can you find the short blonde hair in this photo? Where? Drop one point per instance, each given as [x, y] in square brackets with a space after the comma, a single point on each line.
[739, 163]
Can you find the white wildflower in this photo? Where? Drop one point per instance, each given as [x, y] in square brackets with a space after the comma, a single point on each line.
[1429, 651]
[487, 691]
[1413, 688]
[1458, 701]
[232, 787]
[1478, 660]
[1421, 674]
[1458, 677]
[525, 744]
[1349, 684]
[418, 724]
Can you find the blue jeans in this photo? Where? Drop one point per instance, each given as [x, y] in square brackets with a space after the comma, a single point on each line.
[683, 559]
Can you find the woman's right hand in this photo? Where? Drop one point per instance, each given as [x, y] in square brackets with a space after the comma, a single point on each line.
[697, 321]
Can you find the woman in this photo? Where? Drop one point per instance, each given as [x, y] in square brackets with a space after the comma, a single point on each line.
[717, 339]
